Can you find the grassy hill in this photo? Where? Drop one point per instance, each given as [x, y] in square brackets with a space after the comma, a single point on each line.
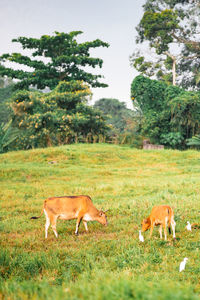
[108, 262]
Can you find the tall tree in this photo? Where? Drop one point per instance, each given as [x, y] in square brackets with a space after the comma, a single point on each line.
[168, 29]
[54, 58]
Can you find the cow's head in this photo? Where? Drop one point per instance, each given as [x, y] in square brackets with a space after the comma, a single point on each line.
[146, 224]
[102, 218]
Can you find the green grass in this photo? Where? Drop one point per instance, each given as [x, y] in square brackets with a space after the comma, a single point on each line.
[108, 262]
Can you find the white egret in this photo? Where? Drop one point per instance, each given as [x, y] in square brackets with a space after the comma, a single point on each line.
[141, 238]
[189, 227]
[182, 264]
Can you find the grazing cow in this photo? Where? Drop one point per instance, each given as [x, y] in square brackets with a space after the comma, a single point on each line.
[68, 208]
[160, 215]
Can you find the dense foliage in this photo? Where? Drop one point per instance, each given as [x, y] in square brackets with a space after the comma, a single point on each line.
[5, 111]
[8, 135]
[123, 122]
[171, 115]
[54, 58]
[59, 117]
[165, 24]
[194, 141]
[117, 113]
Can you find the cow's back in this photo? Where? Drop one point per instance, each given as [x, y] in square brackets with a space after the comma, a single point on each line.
[161, 211]
[70, 204]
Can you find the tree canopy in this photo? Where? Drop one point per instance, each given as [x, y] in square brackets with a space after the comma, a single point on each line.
[116, 112]
[53, 59]
[168, 28]
[122, 122]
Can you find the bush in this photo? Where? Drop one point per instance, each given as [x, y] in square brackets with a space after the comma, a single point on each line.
[59, 117]
[172, 139]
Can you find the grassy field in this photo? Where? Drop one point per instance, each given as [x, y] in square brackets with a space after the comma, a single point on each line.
[108, 262]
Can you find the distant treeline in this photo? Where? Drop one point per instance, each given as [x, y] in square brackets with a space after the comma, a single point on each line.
[165, 114]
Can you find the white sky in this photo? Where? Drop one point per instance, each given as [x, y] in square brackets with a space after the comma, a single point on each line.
[112, 21]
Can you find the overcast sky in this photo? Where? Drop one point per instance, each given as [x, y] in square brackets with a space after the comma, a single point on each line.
[112, 21]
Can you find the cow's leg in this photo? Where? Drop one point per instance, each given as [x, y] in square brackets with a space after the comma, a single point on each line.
[165, 232]
[151, 230]
[160, 230]
[165, 228]
[169, 224]
[85, 224]
[173, 224]
[53, 224]
[47, 223]
[78, 223]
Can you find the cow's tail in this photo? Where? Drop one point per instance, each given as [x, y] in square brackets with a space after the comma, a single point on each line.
[40, 214]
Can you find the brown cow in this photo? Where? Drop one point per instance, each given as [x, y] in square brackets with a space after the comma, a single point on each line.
[160, 215]
[68, 208]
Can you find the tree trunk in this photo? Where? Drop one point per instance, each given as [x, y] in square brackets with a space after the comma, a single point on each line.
[174, 70]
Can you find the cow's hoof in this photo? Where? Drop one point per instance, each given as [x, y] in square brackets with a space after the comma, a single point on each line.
[76, 234]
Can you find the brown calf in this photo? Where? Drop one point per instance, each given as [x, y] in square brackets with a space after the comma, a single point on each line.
[68, 208]
[160, 215]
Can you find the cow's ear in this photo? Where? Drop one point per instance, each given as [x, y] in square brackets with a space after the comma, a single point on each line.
[145, 221]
